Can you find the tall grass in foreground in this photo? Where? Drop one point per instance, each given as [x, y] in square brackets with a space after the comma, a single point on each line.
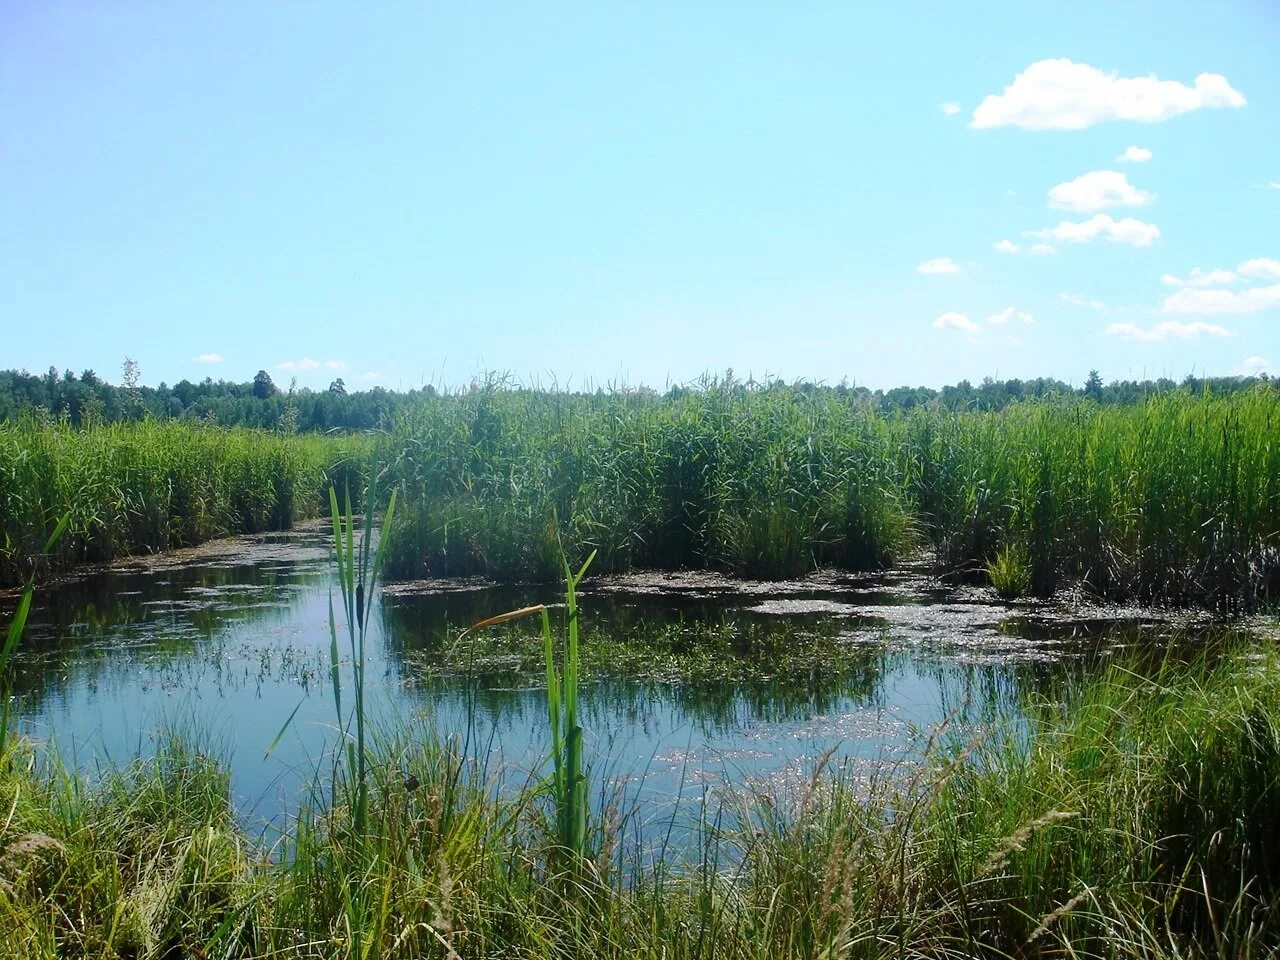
[1138, 820]
[150, 486]
[1176, 500]
[359, 565]
[568, 779]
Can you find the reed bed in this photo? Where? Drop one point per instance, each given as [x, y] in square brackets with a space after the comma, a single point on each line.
[1176, 500]
[1173, 500]
[763, 483]
[144, 487]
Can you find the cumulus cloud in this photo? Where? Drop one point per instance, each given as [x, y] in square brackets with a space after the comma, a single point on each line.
[306, 363]
[1007, 314]
[1076, 300]
[1252, 366]
[950, 109]
[1200, 278]
[1063, 95]
[1167, 329]
[1097, 190]
[209, 358]
[1202, 291]
[1133, 232]
[1201, 301]
[1134, 155]
[1262, 268]
[956, 321]
[1035, 250]
[938, 265]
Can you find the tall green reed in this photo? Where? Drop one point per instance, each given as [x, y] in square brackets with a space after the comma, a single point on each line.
[359, 565]
[568, 780]
[144, 487]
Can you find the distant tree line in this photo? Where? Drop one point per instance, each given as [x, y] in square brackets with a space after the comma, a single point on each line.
[87, 398]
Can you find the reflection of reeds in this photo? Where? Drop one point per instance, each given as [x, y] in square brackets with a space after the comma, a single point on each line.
[1138, 820]
[13, 636]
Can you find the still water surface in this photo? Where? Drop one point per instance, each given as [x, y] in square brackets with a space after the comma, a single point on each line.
[228, 641]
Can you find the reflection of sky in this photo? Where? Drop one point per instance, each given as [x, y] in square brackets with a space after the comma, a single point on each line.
[230, 645]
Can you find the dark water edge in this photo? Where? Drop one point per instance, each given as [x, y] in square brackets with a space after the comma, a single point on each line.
[693, 680]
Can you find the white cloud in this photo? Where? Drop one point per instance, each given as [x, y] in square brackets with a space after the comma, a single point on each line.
[1251, 300]
[956, 321]
[1128, 230]
[1263, 268]
[308, 363]
[1275, 186]
[1007, 314]
[1166, 329]
[950, 109]
[1252, 366]
[1035, 250]
[209, 358]
[1134, 155]
[938, 265]
[1080, 301]
[1097, 190]
[370, 375]
[1064, 95]
[1200, 278]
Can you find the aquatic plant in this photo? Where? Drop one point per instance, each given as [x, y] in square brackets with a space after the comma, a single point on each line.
[1010, 572]
[568, 782]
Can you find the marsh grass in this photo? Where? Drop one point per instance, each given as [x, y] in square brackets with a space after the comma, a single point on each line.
[1175, 500]
[1010, 572]
[766, 483]
[144, 487]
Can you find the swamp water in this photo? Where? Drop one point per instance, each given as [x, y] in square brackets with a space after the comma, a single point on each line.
[694, 680]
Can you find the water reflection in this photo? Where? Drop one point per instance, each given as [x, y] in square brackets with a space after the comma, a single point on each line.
[695, 678]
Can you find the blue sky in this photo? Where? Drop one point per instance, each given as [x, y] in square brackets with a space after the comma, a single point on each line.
[402, 193]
